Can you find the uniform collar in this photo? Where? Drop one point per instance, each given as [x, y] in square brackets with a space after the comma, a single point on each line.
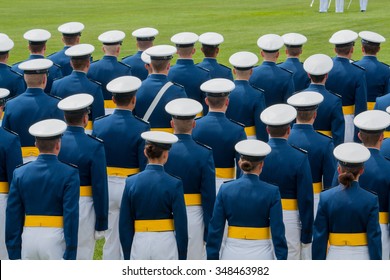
[35, 56]
[156, 167]
[125, 112]
[46, 157]
[374, 151]
[303, 126]
[342, 59]
[277, 141]
[110, 57]
[216, 114]
[184, 136]
[268, 63]
[35, 91]
[250, 176]
[185, 61]
[241, 82]
[76, 129]
[370, 57]
[158, 76]
[78, 73]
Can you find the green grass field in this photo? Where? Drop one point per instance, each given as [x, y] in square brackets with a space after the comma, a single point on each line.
[241, 23]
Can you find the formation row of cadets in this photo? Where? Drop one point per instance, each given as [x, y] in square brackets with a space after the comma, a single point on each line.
[223, 170]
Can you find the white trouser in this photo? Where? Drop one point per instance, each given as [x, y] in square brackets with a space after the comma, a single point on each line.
[43, 243]
[86, 236]
[339, 6]
[30, 158]
[108, 111]
[196, 247]
[3, 206]
[241, 249]
[349, 128]
[251, 137]
[348, 253]
[219, 182]
[293, 228]
[88, 131]
[316, 200]
[385, 241]
[154, 246]
[324, 5]
[363, 5]
[112, 249]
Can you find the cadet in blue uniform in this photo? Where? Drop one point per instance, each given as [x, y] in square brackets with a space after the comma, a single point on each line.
[86, 152]
[71, 32]
[294, 43]
[218, 132]
[347, 216]
[377, 73]
[156, 91]
[77, 82]
[185, 72]
[245, 101]
[31, 106]
[9, 79]
[124, 147]
[210, 47]
[277, 82]
[192, 162]
[145, 38]
[42, 216]
[377, 168]
[109, 68]
[330, 118]
[252, 209]
[153, 220]
[10, 157]
[318, 146]
[348, 80]
[37, 39]
[288, 168]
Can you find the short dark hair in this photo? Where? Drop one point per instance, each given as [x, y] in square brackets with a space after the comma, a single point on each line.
[370, 139]
[216, 102]
[278, 131]
[46, 145]
[78, 64]
[344, 50]
[159, 65]
[75, 118]
[370, 48]
[123, 99]
[37, 48]
[317, 78]
[305, 116]
[209, 51]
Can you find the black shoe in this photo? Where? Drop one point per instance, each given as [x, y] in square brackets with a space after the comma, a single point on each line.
[362, 11]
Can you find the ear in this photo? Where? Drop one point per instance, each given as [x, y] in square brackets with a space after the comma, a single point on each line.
[339, 169]
[206, 100]
[227, 102]
[234, 71]
[359, 136]
[193, 123]
[217, 50]
[172, 124]
[277, 54]
[193, 51]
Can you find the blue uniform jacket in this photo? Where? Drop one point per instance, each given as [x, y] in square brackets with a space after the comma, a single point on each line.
[193, 163]
[44, 187]
[152, 195]
[77, 82]
[221, 134]
[385, 148]
[245, 106]
[10, 154]
[382, 103]
[351, 210]
[54, 71]
[88, 154]
[61, 59]
[106, 70]
[320, 151]
[191, 77]
[146, 94]
[377, 77]
[289, 168]
[375, 178]
[300, 77]
[329, 114]
[349, 81]
[28, 108]
[247, 202]
[137, 65]
[121, 135]
[277, 83]
[216, 69]
[13, 81]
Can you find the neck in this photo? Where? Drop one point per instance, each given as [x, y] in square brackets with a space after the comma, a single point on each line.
[222, 110]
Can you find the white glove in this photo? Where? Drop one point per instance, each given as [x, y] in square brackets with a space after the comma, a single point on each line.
[99, 234]
[306, 251]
